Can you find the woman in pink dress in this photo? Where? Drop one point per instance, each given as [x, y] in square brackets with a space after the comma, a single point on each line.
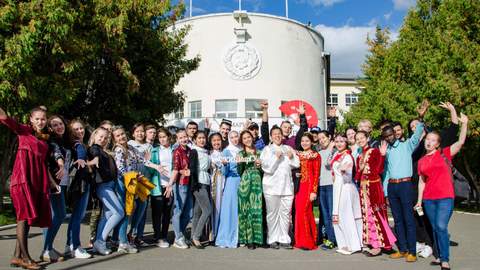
[30, 182]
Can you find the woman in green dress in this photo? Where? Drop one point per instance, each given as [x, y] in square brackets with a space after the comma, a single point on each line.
[249, 193]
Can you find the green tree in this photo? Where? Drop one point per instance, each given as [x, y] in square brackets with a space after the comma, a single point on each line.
[93, 59]
[434, 57]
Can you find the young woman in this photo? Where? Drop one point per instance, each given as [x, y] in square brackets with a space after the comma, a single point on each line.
[59, 161]
[250, 193]
[96, 210]
[436, 190]
[377, 234]
[305, 227]
[161, 205]
[139, 142]
[105, 172]
[30, 182]
[200, 183]
[218, 179]
[227, 235]
[352, 144]
[347, 215]
[79, 191]
[278, 160]
[325, 192]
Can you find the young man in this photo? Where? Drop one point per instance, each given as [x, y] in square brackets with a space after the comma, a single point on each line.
[398, 183]
[398, 130]
[191, 129]
[180, 188]
[225, 128]
[260, 142]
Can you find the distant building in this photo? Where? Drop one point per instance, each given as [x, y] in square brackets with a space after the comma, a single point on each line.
[344, 90]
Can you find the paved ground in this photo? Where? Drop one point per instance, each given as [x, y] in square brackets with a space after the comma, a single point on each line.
[464, 228]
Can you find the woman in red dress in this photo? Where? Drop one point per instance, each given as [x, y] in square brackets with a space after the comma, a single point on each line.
[30, 182]
[377, 234]
[305, 227]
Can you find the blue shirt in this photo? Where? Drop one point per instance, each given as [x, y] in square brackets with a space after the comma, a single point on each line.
[398, 161]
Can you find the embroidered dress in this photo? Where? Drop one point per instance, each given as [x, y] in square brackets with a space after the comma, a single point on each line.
[217, 186]
[376, 231]
[305, 226]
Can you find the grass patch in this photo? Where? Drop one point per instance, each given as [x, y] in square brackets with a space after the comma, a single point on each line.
[7, 217]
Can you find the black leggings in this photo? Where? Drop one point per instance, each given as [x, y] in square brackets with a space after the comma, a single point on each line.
[161, 214]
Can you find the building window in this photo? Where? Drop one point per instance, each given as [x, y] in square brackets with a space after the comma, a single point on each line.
[333, 100]
[226, 108]
[179, 113]
[351, 99]
[253, 109]
[195, 109]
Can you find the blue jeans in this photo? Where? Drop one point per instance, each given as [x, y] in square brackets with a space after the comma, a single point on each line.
[182, 211]
[78, 213]
[138, 218]
[57, 204]
[325, 202]
[400, 197]
[439, 213]
[112, 211]
[120, 231]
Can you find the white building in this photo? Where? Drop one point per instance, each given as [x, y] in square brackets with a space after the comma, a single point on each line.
[246, 58]
[344, 90]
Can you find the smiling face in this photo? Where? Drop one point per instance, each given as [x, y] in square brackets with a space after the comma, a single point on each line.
[306, 143]
[120, 137]
[351, 136]
[182, 138]
[398, 130]
[247, 139]
[57, 126]
[38, 120]
[201, 140]
[432, 142]
[78, 130]
[324, 140]
[163, 139]
[286, 129]
[139, 134]
[361, 140]
[389, 136]
[225, 129]
[234, 138]
[340, 143]
[101, 137]
[276, 136]
[216, 142]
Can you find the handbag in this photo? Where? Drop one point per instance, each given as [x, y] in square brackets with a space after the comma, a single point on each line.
[460, 183]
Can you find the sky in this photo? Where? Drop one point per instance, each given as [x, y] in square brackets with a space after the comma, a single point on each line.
[344, 24]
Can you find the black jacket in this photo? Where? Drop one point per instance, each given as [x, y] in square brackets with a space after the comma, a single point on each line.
[107, 170]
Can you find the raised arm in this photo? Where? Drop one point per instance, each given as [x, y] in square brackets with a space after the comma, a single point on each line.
[303, 128]
[332, 121]
[264, 130]
[455, 148]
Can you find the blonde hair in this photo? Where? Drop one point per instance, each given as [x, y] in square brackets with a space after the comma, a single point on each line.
[91, 141]
[366, 122]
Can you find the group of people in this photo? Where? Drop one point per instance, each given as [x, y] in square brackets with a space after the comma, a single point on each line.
[254, 188]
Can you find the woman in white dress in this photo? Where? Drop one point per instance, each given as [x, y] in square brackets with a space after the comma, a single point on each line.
[347, 214]
[278, 160]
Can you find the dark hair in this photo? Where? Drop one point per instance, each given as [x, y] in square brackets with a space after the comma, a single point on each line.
[394, 124]
[198, 133]
[324, 132]
[387, 128]
[274, 128]
[285, 122]
[340, 134]
[241, 140]
[192, 123]
[308, 135]
[164, 131]
[65, 137]
[38, 109]
[384, 123]
[137, 125]
[70, 128]
[351, 128]
[210, 138]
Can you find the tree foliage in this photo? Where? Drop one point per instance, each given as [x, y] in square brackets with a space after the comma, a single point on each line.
[94, 59]
[436, 56]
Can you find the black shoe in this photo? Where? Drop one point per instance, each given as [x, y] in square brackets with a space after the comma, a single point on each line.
[264, 246]
[453, 244]
[286, 246]
[199, 246]
[251, 246]
[275, 245]
[435, 263]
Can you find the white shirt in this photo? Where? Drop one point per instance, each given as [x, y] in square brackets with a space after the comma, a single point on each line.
[165, 155]
[277, 179]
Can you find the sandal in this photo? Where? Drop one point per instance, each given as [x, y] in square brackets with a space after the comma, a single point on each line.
[15, 262]
[30, 265]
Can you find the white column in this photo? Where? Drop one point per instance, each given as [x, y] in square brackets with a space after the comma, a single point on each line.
[190, 10]
[286, 8]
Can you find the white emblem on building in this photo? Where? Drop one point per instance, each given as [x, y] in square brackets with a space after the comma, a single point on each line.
[242, 61]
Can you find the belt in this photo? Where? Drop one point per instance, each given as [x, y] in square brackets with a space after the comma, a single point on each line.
[368, 181]
[398, 181]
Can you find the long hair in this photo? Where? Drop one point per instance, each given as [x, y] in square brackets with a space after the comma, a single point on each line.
[42, 134]
[91, 141]
[65, 138]
[244, 147]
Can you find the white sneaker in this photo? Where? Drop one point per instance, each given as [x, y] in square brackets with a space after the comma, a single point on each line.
[426, 252]
[344, 252]
[163, 244]
[68, 250]
[81, 253]
[180, 244]
[47, 256]
[420, 247]
[126, 248]
[101, 248]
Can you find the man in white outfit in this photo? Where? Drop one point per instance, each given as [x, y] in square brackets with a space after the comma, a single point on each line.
[277, 163]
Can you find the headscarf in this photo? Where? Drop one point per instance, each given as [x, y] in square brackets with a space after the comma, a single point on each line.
[234, 149]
